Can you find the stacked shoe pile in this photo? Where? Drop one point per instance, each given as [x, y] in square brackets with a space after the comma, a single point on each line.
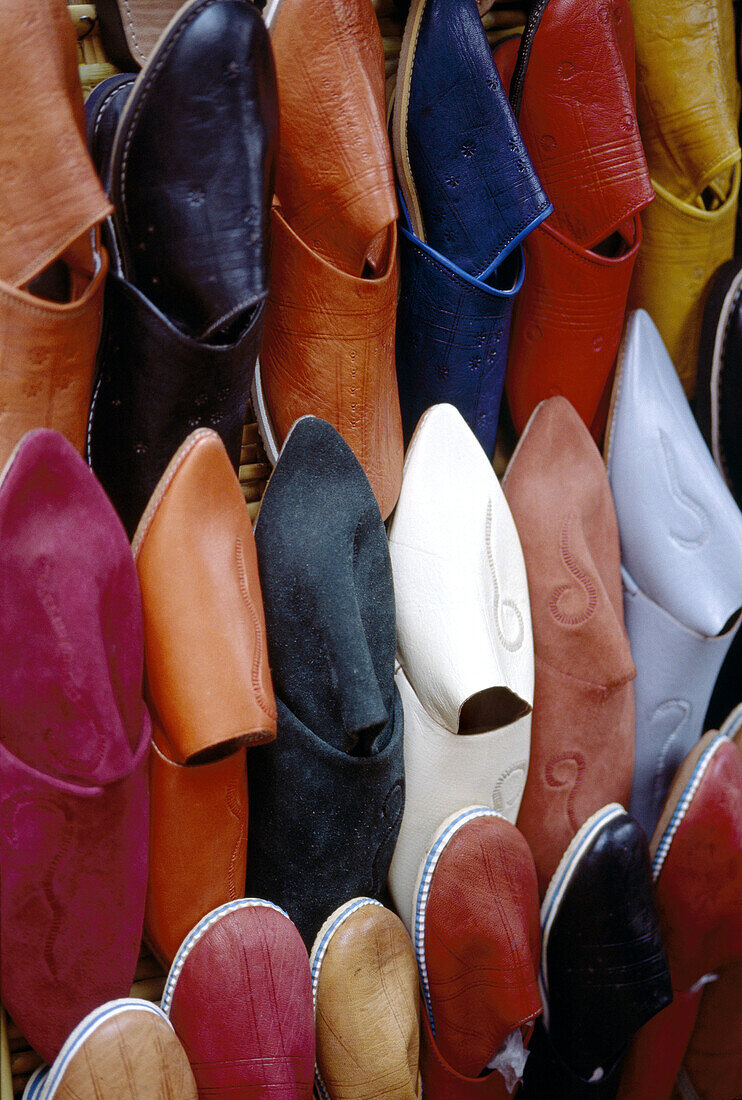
[491, 715]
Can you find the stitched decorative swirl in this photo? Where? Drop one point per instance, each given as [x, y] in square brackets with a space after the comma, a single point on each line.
[52, 858]
[92, 745]
[511, 637]
[566, 773]
[685, 500]
[234, 805]
[586, 591]
[508, 789]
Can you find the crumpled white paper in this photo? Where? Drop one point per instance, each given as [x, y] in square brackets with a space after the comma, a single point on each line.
[510, 1060]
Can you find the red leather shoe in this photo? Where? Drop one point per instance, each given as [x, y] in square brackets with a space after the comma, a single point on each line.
[477, 939]
[239, 995]
[697, 867]
[578, 119]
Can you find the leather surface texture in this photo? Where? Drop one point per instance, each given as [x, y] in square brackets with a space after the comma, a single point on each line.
[155, 386]
[468, 185]
[338, 759]
[682, 249]
[50, 196]
[208, 689]
[713, 1060]
[191, 184]
[687, 93]
[241, 1004]
[367, 1028]
[126, 1049]
[655, 1055]
[452, 338]
[73, 747]
[573, 92]
[207, 673]
[477, 940]
[470, 197]
[334, 179]
[197, 842]
[603, 964]
[130, 28]
[582, 730]
[328, 351]
[699, 881]
[47, 362]
[183, 313]
[681, 545]
[464, 640]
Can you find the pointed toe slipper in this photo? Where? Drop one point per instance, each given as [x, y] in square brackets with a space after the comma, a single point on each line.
[368, 1034]
[476, 938]
[208, 685]
[603, 970]
[73, 747]
[579, 124]
[696, 858]
[470, 196]
[338, 759]
[124, 1050]
[239, 995]
[582, 730]
[191, 179]
[328, 348]
[681, 547]
[464, 641]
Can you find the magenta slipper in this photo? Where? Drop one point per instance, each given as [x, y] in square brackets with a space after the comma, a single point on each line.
[239, 995]
[74, 738]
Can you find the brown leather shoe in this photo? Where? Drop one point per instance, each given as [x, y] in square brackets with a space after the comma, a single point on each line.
[366, 999]
[207, 684]
[477, 937]
[697, 867]
[51, 200]
[124, 1050]
[582, 732]
[334, 179]
[328, 338]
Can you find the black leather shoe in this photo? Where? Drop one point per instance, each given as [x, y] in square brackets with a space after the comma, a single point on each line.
[190, 172]
[604, 970]
[719, 379]
[326, 800]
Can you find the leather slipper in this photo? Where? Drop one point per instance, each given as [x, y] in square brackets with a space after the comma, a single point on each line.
[681, 549]
[207, 685]
[469, 196]
[579, 124]
[73, 748]
[184, 309]
[697, 869]
[239, 995]
[130, 28]
[603, 969]
[124, 1050]
[328, 346]
[476, 938]
[582, 732]
[464, 640]
[52, 269]
[368, 1029]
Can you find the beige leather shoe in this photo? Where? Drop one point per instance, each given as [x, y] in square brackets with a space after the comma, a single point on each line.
[366, 1002]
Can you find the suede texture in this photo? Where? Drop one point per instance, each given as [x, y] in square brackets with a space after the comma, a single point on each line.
[74, 740]
[337, 763]
[582, 732]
